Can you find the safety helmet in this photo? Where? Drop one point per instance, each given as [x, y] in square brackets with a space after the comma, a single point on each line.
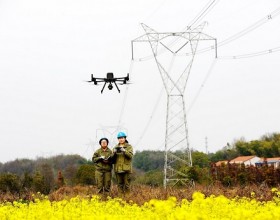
[121, 134]
[106, 139]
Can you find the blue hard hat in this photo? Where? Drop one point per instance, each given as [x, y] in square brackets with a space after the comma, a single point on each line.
[121, 134]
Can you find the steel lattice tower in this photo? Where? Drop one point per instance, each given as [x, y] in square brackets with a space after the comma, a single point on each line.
[184, 45]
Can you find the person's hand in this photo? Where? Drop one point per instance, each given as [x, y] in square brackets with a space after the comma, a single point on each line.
[122, 149]
[114, 150]
[102, 157]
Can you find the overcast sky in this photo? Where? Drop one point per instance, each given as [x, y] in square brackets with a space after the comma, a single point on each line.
[48, 49]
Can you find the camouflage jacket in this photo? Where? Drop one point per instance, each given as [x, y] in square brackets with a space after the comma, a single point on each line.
[103, 164]
[123, 159]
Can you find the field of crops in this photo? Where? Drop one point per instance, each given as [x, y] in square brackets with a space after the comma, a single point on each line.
[94, 207]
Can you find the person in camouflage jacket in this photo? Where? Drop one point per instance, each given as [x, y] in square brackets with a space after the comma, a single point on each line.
[122, 157]
[102, 159]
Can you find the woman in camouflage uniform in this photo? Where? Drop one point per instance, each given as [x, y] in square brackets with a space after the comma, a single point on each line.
[103, 167]
[122, 156]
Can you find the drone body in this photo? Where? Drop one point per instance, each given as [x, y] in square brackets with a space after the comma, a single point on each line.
[111, 80]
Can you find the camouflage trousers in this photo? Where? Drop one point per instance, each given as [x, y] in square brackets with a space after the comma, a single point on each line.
[123, 180]
[103, 181]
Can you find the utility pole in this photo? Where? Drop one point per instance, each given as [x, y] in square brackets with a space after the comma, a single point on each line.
[180, 54]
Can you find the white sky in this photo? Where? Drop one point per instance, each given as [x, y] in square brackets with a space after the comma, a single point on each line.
[49, 48]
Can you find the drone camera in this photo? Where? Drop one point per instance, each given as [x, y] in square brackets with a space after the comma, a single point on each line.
[110, 86]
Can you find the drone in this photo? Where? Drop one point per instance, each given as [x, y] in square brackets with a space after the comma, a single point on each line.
[111, 80]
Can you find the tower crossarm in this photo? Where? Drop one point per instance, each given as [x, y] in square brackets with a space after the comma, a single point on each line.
[190, 36]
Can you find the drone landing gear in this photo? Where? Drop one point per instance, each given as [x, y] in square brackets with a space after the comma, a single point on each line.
[110, 87]
[117, 87]
[103, 87]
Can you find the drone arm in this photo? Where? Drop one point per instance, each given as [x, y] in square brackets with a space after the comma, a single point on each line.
[103, 87]
[120, 79]
[101, 79]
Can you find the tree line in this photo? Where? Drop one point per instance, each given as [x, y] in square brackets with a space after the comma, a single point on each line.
[204, 170]
[47, 174]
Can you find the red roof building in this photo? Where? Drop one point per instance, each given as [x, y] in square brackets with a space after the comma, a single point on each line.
[246, 160]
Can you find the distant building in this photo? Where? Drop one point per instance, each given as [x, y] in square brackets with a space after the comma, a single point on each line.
[274, 161]
[246, 160]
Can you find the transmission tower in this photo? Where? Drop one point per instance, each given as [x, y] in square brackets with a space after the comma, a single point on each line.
[170, 47]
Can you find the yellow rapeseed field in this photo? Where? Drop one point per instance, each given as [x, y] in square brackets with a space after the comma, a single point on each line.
[200, 207]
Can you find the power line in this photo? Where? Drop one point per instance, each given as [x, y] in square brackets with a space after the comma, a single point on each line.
[244, 31]
[254, 54]
[209, 6]
[202, 85]
[251, 28]
[125, 95]
[150, 119]
[155, 10]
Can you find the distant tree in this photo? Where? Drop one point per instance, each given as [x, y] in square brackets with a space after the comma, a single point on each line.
[274, 137]
[61, 162]
[204, 176]
[27, 181]
[38, 183]
[48, 177]
[70, 173]
[151, 178]
[148, 160]
[18, 166]
[200, 159]
[192, 172]
[226, 153]
[267, 146]
[275, 149]
[85, 175]
[9, 183]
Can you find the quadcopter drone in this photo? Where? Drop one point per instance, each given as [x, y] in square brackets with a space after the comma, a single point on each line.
[111, 80]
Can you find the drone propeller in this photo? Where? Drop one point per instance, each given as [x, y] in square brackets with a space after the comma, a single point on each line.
[124, 83]
[97, 83]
